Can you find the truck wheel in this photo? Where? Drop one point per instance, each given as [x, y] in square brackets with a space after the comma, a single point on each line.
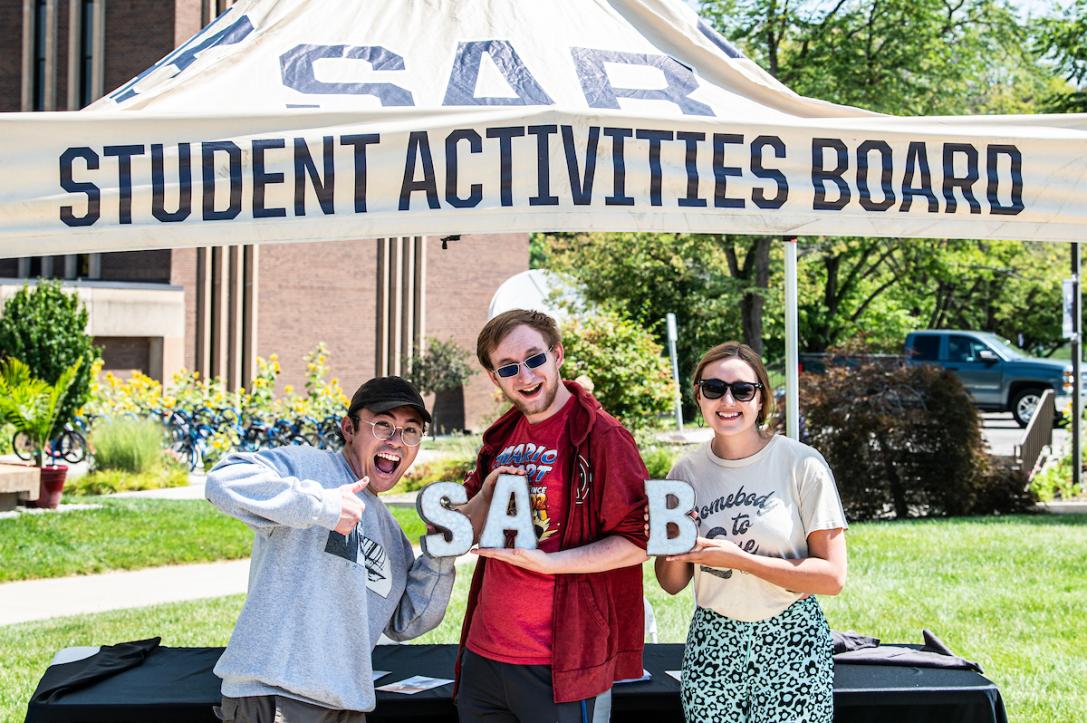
[1024, 403]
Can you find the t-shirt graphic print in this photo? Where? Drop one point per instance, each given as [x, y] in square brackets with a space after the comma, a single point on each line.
[355, 545]
[767, 504]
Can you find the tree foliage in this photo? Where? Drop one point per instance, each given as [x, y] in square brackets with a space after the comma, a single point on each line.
[630, 375]
[907, 57]
[1007, 287]
[46, 328]
[443, 366]
[1063, 39]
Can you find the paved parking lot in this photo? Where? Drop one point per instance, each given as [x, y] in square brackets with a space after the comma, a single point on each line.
[1002, 433]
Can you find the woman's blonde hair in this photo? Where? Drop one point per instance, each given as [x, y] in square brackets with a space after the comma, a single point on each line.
[739, 350]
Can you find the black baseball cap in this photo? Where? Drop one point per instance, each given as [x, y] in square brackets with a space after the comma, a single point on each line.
[381, 394]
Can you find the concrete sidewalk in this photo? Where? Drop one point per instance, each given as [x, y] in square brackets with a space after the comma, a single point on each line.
[86, 594]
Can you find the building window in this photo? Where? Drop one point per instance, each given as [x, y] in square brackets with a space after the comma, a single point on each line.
[86, 53]
[41, 36]
[211, 9]
[86, 39]
[39, 68]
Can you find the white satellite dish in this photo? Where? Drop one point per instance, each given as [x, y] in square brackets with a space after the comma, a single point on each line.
[537, 289]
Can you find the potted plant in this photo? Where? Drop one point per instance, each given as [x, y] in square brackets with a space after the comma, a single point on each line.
[32, 406]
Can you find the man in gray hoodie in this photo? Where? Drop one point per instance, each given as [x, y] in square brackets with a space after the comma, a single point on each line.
[331, 569]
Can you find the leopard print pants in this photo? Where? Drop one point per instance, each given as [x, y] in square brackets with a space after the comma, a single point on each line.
[778, 670]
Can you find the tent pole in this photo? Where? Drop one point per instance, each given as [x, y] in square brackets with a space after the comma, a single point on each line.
[1077, 383]
[792, 355]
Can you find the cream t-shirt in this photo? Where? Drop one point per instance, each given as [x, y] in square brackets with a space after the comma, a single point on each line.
[767, 504]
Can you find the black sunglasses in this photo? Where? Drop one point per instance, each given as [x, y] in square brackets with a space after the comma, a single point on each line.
[508, 370]
[741, 391]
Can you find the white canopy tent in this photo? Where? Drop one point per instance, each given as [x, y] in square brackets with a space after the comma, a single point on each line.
[314, 120]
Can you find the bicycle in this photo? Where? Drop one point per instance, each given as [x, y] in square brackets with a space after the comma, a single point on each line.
[70, 445]
[188, 437]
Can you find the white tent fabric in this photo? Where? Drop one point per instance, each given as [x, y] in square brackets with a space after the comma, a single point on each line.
[295, 120]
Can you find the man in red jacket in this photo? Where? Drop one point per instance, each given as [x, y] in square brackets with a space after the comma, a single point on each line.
[547, 630]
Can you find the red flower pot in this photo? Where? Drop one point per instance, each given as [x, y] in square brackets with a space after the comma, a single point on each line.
[52, 484]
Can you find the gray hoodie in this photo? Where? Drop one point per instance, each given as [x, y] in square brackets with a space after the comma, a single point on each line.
[318, 601]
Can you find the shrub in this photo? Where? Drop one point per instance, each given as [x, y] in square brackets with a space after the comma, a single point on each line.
[452, 469]
[33, 405]
[47, 329]
[659, 461]
[7, 431]
[904, 441]
[444, 367]
[110, 481]
[128, 445]
[1055, 481]
[630, 375]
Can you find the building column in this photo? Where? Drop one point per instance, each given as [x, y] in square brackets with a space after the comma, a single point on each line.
[250, 305]
[227, 286]
[401, 305]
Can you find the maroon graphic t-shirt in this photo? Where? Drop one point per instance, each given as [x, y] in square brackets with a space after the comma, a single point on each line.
[512, 623]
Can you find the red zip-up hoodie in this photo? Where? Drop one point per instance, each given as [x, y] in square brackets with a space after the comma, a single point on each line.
[597, 621]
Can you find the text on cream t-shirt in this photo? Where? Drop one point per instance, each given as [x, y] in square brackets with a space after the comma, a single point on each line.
[767, 504]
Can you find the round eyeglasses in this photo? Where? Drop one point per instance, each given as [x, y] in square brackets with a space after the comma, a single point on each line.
[411, 435]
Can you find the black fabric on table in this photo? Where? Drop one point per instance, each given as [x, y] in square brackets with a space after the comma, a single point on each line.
[845, 641]
[933, 654]
[110, 660]
[176, 684]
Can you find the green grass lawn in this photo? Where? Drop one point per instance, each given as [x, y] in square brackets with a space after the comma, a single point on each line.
[128, 534]
[1007, 592]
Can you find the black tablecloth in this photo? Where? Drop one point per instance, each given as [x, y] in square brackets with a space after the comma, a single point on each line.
[177, 685]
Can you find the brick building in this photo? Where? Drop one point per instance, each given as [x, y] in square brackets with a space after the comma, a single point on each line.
[216, 309]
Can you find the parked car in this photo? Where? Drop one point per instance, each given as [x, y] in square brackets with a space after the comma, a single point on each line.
[998, 375]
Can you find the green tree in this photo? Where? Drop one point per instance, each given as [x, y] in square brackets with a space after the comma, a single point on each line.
[441, 368]
[46, 328]
[1062, 38]
[908, 57]
[630, 375]
[1007, 287]
[843, 286]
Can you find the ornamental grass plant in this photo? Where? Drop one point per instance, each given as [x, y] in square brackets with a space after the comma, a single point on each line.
[128, 444]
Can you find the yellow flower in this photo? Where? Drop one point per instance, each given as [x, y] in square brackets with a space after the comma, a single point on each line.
[288, 389]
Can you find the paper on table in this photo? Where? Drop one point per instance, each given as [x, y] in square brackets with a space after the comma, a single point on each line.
[414, 684]
[378, 674]
[645, 676]
[675, 674]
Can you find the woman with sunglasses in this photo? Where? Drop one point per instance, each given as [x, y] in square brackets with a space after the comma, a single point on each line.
[771, 536]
